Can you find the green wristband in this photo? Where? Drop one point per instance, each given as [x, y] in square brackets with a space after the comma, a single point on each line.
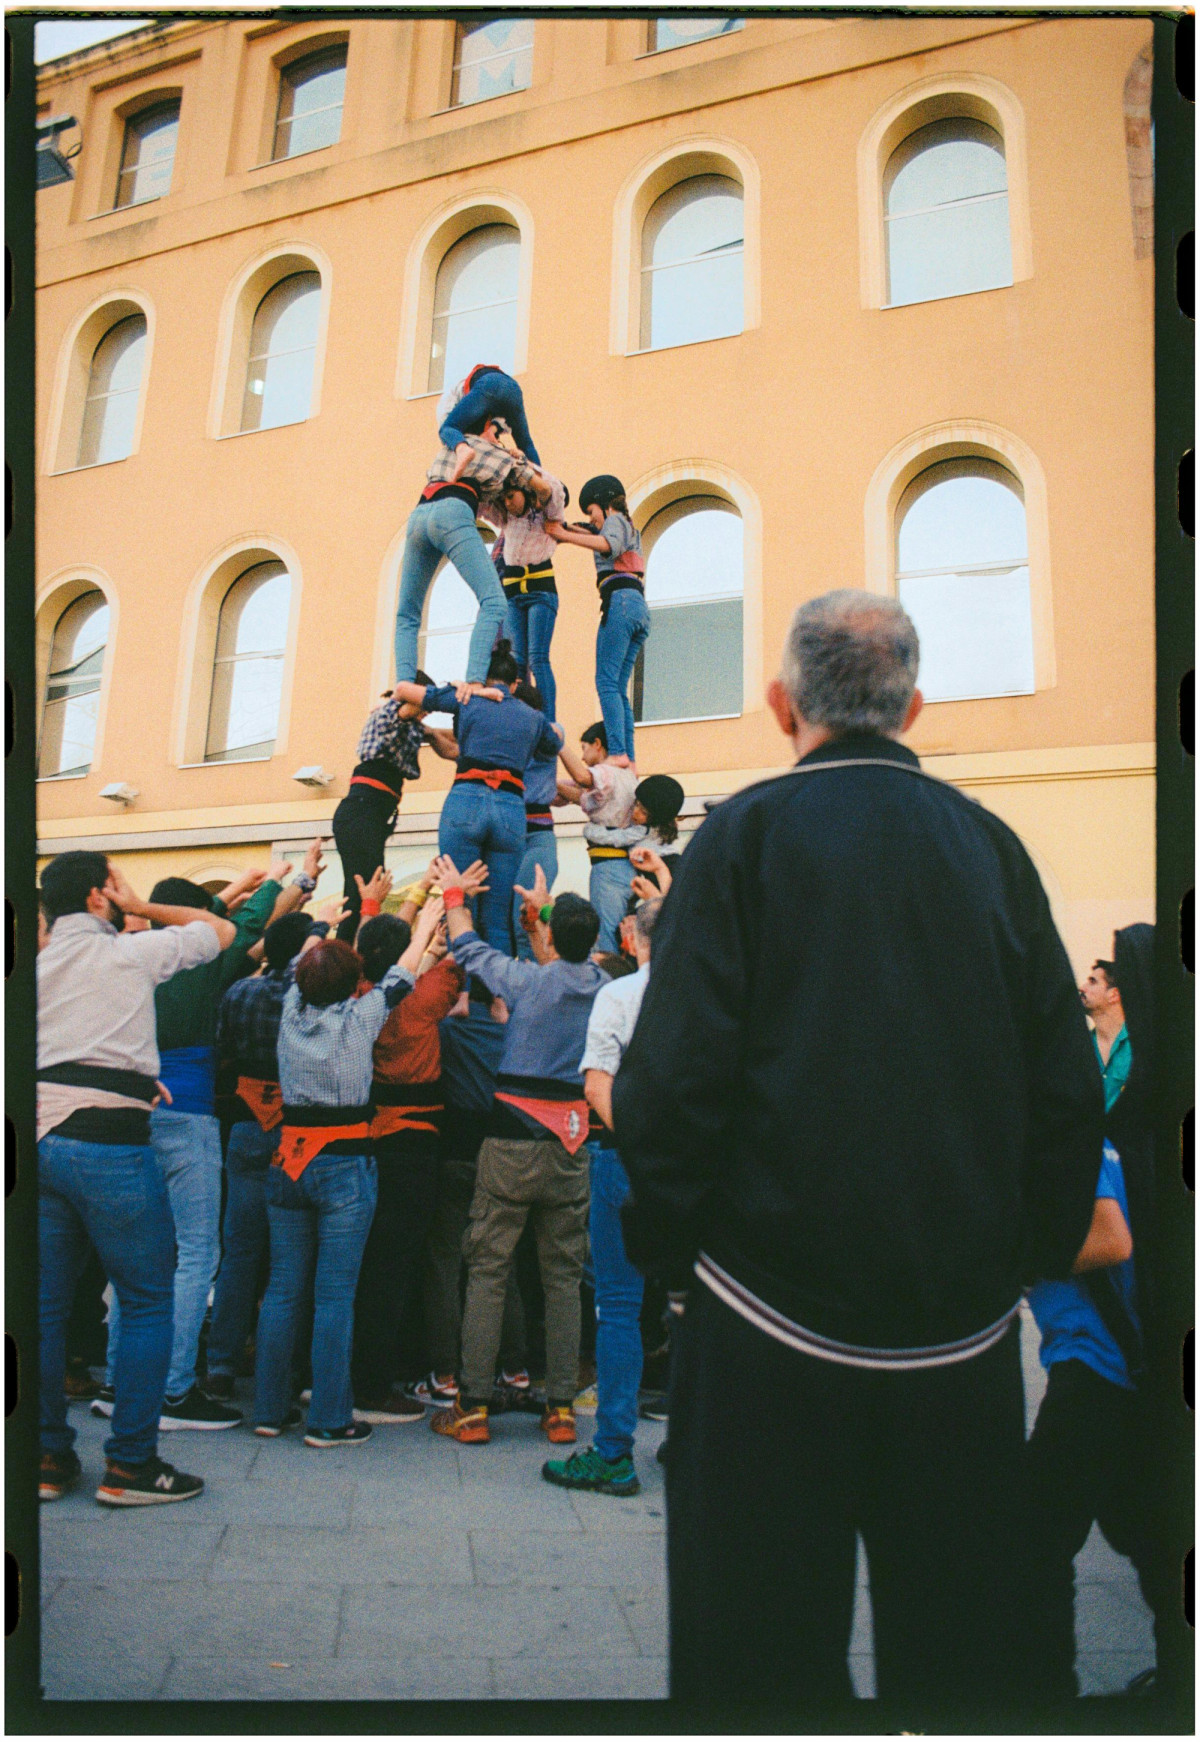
[545, 912]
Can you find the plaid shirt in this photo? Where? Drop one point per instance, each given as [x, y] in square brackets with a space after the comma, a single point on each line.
[490, 469]
[326, 1052]
[248, 1022]
[388, 738]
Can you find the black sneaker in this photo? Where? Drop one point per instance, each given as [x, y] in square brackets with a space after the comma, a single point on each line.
[59, 1472]
[102, 1403]
[220, 1387]
[150, 1484]
[271, 1430]
[354, 1435]
[195, 1410]
[395, 1407]
[652, 1406]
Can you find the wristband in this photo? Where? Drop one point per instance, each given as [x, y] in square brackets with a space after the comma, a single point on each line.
[455, 896]
[303, 881]
[370, 907]
[545, 912]
[418, 895]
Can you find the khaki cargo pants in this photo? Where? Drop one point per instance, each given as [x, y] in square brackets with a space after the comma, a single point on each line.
[516, 1181]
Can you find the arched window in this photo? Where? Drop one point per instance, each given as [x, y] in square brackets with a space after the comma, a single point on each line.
[148, 154]
[678, 32]
[475, 304]
[691, 668]
[311, 91]
[946, 212]
[73, 686]
[962, 574]
[445, 641]
[692, 245]
[114, 382]
[491, 59]
[283, 348]
[243, 715]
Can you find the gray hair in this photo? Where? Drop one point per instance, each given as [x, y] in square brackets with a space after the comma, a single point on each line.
[645, 917]
[850, 662]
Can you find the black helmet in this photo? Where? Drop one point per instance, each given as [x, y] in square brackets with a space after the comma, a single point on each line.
[601, 491]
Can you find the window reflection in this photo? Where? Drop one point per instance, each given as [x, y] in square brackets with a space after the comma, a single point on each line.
[475, 305]
[692, 244]
[962, 574]
[114, 383]
[491, 59]
[283, 348]
[691, 667]
[946, 206]
[243, 716]
[311, 91]
[678, 32]
[72, 697]
[148, 155]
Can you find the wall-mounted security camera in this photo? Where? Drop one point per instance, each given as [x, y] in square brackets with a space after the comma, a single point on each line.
[120, 792]
[312, 775]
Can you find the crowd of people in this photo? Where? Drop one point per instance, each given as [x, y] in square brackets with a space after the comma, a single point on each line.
[851, 1117]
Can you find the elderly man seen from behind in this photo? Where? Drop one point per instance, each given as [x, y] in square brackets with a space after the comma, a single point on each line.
[862, 1105]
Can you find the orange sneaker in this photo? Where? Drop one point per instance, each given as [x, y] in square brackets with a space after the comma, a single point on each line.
[558, 1424]
[468, 1426]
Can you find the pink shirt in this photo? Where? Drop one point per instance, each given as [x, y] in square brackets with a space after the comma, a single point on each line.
[527, 544]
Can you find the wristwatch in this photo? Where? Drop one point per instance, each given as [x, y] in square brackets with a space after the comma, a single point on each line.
[302, 880]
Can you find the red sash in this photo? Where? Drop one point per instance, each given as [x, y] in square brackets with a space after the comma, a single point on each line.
[299, 1144]
[389, 1119]
[499, 779]
[264, 1099]
[566, 1120]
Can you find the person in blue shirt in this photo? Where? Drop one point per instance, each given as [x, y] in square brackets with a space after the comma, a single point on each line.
[1082, 1454]
[483, 816]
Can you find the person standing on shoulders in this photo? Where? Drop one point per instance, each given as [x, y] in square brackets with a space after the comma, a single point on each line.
[861, 1181]
[98, 1066]
[605, 789]
[483, 395]
[364, 819]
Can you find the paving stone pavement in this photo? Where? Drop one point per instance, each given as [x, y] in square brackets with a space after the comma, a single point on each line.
[410, 1568]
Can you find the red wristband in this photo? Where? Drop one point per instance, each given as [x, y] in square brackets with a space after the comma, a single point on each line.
[370, 907]
[455, 896]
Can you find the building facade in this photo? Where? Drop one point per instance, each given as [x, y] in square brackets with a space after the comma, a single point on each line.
[844, 301]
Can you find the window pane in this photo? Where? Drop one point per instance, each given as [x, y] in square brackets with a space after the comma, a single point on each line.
[450, 611]
[692, 263]
[110, 410]
[148, 155]
[492, 59]
[963, 577]
[283, 345]
[73, 687]
[311, 92]
[947, 213]
[675, 32]
[244, 716]
[475, 304]
[692, 665]
[254, 615]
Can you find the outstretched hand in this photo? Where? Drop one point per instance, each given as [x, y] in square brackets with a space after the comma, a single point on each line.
[539, 894]
[448, 876]
[378, 889]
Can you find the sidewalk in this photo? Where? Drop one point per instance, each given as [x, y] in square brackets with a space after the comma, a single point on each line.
[410, 1568]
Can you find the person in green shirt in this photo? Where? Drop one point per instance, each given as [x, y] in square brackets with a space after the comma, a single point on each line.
[1102, 1001]
[184, 1129]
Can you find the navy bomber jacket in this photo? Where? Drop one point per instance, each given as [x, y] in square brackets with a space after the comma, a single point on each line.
[861, 1080]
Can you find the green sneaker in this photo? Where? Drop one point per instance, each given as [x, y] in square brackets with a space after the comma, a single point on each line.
[587, 1469]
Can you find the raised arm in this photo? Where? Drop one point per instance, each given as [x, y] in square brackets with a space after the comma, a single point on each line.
[499, 973]
[163, 913]
[577, 768]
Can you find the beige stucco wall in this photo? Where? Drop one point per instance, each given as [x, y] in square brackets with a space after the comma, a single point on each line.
[802, 410]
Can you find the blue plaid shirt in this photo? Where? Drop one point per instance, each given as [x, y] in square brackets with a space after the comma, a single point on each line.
[388, 738]
[248, 1022]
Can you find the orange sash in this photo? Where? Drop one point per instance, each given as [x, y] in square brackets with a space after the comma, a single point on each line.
[390, 1119]
[300, 1143]
[566, 1120]
[264, 1099]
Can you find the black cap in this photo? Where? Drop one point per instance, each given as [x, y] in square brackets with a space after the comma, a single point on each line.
[600, 490]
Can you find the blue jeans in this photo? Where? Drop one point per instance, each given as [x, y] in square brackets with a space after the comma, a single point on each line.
[609, 889]
[319, 1226]
[446, 528]
[477, 823]
[618, 643]
[619, 1290]
[541, 848]
[494, 395]
[529, 625]
[187, 1148]
[247, 1158]
[115, 1196]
